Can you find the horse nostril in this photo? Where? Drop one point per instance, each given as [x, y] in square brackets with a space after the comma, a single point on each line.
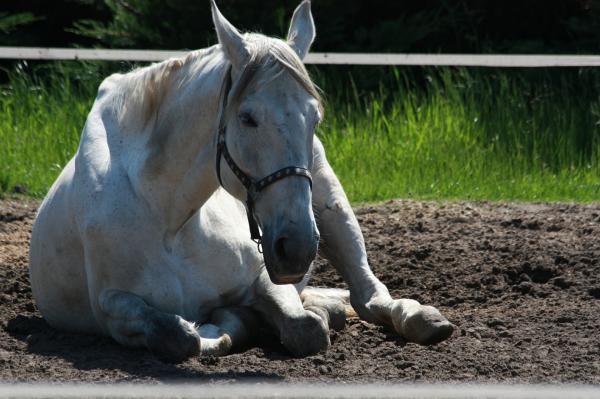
[280, 248]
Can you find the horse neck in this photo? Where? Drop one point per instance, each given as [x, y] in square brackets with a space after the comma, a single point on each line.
[176, 175]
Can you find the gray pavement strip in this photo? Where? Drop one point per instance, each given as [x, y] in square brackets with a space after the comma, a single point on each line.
[308, 390]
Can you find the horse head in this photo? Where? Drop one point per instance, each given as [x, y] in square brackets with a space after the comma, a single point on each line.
[269, 115]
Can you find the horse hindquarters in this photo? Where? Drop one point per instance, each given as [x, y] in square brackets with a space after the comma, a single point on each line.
[56, 264]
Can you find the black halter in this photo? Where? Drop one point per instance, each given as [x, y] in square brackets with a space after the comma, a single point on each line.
[253, 186]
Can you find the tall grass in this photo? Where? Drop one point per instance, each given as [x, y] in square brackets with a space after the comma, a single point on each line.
[466, 134]
[469, 135]
[40, 125]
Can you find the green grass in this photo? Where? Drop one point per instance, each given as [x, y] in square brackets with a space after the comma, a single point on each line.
[469, 135]
[456, 134]
[40, 125]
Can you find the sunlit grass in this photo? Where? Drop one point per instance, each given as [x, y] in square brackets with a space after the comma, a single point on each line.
[467, 137]
[40, 125]
[461, 135]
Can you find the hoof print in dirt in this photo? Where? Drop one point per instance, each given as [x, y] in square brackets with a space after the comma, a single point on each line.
[594, 292]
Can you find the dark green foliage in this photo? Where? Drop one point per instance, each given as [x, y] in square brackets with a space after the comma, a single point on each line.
[47, 22]
[522, 26]
[9, 23]
[540, 26]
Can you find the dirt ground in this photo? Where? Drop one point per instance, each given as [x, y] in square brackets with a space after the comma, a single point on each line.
[520, 281]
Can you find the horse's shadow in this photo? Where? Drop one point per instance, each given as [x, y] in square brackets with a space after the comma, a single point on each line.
[88, 353]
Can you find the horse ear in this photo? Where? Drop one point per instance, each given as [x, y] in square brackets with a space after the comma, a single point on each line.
[230, 39]
[302, 29]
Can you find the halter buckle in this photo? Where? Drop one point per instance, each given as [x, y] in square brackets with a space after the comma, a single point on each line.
[258, 243]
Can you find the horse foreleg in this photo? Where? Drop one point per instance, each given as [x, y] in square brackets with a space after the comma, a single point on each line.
[342, 243]
[132, 322]
[302, 331]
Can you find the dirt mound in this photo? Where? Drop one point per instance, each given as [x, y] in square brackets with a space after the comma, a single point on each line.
[521, 281]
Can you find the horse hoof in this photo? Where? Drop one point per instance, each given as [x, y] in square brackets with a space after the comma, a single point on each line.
[173, 339]
[306, 336]
[333, 313]
[424, 325]
[438, 331]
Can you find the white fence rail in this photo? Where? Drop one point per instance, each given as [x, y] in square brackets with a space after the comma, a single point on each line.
[482, 60]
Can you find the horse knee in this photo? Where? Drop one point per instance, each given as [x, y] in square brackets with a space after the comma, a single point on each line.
[306, 335]
[171, 338]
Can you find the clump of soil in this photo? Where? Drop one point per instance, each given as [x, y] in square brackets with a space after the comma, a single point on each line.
[521, 282]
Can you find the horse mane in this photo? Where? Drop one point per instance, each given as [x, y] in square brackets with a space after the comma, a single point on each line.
[141, 91]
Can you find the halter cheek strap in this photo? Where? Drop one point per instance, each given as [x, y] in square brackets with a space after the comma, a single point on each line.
[252, 186]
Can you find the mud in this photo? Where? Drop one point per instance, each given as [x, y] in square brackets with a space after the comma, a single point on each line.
[521, 282]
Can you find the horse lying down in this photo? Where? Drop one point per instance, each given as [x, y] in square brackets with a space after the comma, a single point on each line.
[144, 236]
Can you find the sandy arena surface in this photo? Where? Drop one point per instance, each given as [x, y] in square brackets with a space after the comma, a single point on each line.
[521, 282]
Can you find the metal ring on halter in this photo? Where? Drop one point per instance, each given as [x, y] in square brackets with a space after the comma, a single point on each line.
[251, 185]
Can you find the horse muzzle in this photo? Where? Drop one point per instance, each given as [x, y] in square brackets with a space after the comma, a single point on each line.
[289, 253]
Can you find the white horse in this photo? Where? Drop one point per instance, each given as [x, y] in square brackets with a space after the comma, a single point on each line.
[145, 236]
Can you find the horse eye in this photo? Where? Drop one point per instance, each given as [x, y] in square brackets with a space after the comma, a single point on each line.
[247, 120]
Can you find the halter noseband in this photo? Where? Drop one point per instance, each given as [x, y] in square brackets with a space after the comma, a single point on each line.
[253, 186]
